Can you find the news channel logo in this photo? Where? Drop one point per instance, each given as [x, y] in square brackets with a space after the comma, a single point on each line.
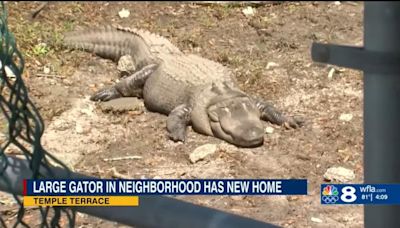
[331, 194]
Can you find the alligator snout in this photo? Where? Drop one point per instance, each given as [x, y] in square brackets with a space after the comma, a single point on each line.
[250, 136]
[253, 134]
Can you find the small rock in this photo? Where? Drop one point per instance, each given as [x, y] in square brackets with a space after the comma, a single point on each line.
[126, 65]
[339, 174]
[124, 13]
[269, 130]
[271, 65]
[337, 3]
[331, 72]
[202, 152]
[46, 70]
[346, 117]
[249, 11]
[316, 220]
[79, 129]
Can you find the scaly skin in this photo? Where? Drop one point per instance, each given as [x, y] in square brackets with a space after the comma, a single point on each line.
[188, 88]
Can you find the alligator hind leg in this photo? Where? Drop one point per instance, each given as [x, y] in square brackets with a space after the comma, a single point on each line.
[131, 86]
[178, 121]
[271, 114]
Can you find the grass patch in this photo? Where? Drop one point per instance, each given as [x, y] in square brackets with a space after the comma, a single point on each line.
[40, 49]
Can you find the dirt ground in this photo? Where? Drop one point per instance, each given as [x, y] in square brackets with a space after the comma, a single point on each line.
[270, 53]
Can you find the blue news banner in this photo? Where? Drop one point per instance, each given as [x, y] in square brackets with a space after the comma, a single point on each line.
[388, 194]
[137, 187]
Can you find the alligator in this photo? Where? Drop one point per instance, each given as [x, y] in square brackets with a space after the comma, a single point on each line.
[187, 88]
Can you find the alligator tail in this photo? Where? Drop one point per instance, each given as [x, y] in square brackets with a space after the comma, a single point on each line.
[108, 42]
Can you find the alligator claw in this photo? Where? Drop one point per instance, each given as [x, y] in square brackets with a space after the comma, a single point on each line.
[105, 94]
[178, 135]
[294, 122]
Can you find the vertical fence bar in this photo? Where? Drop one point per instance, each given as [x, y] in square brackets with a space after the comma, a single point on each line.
[382, 110]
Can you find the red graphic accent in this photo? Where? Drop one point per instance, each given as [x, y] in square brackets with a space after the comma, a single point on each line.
[24, 190]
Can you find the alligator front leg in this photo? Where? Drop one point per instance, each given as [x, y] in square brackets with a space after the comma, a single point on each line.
[271, 114]
[178, 121]
[131, 86]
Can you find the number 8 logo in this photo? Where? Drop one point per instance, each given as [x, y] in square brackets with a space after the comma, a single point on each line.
[348, 195]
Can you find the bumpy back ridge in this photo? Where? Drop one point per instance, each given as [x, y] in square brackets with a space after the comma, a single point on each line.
[157, 43]
[109, 42]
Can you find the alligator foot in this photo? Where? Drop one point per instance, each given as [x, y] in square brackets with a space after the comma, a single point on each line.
[105, 94]
[177, 122]
[131, 86]
[271, 114]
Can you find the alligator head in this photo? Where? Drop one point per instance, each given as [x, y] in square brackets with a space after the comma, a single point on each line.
[227, 113]
[237, 121]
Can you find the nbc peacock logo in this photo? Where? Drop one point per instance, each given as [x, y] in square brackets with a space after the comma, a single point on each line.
[330, 194]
